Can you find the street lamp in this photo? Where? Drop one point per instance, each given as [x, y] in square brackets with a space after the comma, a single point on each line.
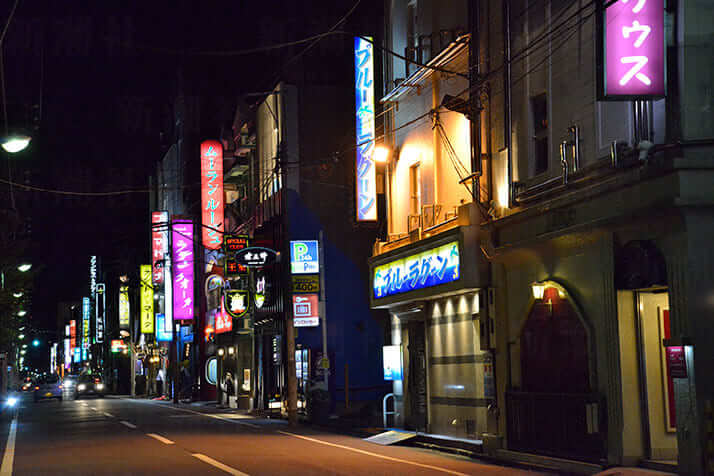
[15, 143]
[24, 267]
[21, 313]
[21, 336]
[18, 295]
[36, 343]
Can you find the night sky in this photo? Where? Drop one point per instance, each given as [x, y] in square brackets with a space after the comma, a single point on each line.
[95, 83]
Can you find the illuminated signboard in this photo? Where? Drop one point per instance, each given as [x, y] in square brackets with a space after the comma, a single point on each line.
[99, 306]
[392, 362]
[304, 257]
[124, 307]
[234, 243]
[224, 321]
[73, 334]
[76, 355]
[633, 49]
[147, 300]
[422, 270]
[159, 244]
[306, 284]
[182, 262]
[85, 323]
[256, 257]
[67, 354]
[163, 332]
[366, 173]
[236, 303]
[305, 310]
[212, 193]
[92, 275]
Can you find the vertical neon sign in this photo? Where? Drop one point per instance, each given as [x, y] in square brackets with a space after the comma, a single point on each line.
[147, 300]
[212, 194]
[159, 244]
[366, 174]
[182, 272]
[85, 327]
[634, 49]
[124, 307]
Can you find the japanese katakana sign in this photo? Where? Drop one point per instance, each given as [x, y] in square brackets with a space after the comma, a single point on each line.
[183, 261]
[366, 172]
[212, 194]
[422, 270]
[147, 300]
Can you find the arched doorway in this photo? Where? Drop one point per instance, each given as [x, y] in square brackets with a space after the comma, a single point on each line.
[553, 410]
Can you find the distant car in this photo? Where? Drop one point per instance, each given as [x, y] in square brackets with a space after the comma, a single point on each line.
[48, 386]
[26, 386]
[89, 385]
[70, 382]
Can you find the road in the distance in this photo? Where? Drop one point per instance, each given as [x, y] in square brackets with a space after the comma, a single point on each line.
[121, 436]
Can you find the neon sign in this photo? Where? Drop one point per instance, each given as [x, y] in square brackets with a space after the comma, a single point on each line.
[85, 323]
[422, 270]
[147, 300]
[159, 245]
[366, 179]
[212, 193]
[124, 307]
[182, 240]
[634, 49]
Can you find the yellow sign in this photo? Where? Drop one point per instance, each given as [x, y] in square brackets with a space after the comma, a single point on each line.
[306, 284]
[147, 300]
[124, 307]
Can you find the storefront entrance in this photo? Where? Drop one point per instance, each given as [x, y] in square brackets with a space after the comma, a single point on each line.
[552, 410]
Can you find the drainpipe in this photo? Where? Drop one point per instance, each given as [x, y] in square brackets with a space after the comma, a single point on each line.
[475, 112]
[507, 94]
[435, 93]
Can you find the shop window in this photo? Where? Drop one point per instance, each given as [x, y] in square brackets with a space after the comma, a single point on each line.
[554, 347]
[539, 113]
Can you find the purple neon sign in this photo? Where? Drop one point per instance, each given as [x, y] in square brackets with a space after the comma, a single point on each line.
[634, 48]
[182, 258]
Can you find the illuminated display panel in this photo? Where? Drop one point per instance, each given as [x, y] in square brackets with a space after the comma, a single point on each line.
[212, 194]
[182, 276]
[147, 300]
[159, 244]
[421, 270]
[366, 173]
[634, 51]
[124, 307]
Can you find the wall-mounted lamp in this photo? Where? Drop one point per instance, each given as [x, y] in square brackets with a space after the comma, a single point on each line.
[231, 350]
[221, 351]
[538, 290]
[381, 154]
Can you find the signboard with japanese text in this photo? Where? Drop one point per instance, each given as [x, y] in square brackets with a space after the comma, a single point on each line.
[305, 310]
[159, 244]
[67, 354]
[304, 257]
[93, 264]
[73, 334]
[100, 307]
[676, 361]
[183, 256]
[212, 194]
[634, 50]
[306, 284]
[365, 169]
[86, 309]
[256, 257]
[147, 300]
[421, 270]
[124, 307]
[224, 321]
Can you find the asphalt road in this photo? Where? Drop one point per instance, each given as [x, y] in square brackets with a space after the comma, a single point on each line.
[123, 436]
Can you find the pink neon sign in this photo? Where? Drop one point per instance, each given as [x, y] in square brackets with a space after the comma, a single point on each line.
[159, 244]
[212, 193]
[182, 246]
[634, 48]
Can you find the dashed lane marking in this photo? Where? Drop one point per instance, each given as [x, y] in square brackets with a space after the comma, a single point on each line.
[9, 457]
[165, 441]
[127, 424]
[376, 455]
[218, 465]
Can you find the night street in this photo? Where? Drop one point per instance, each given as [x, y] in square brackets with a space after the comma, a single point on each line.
[122, 436]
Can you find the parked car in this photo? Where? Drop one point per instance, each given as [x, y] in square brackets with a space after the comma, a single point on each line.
[70, 382]
[89, 385]
[48, 386]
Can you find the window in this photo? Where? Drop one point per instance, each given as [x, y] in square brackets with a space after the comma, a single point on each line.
[411, 49]
[539, 111]
[414, 190]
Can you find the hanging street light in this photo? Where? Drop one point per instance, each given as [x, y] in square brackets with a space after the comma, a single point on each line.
[24, 267]
[15, 143]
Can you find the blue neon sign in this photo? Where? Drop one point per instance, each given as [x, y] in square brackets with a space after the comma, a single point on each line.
[422, 270]
[162, 334]
[366, 180]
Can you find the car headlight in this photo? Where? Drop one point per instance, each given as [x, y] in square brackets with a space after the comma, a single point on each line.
[81, 387]
[11, 401]
[99, 386]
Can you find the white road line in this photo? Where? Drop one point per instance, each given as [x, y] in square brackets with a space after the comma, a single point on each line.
[108, 415]
[9, 457]
[127, 424]
[209, 415]
[166, 441]
[218, 465]
[376, 455]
